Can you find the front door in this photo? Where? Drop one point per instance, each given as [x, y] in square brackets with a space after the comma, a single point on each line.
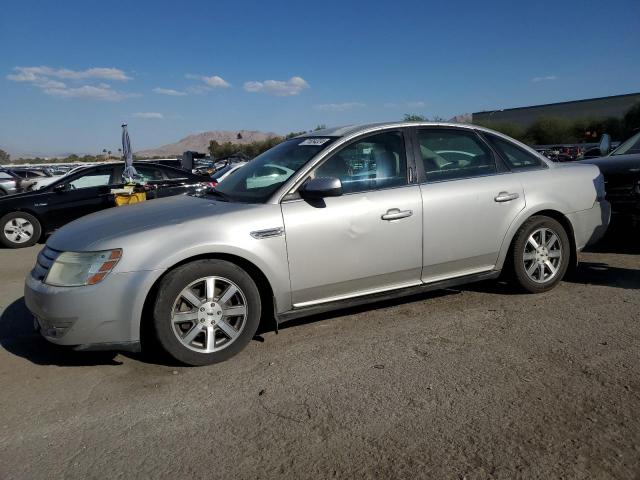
[365, 241]
[85, 193]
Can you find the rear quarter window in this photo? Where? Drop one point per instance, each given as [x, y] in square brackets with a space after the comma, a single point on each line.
[515, 157]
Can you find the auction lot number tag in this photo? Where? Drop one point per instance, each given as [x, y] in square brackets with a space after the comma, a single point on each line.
[315, 141]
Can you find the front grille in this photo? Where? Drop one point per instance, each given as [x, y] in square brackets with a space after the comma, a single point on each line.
[45, 259]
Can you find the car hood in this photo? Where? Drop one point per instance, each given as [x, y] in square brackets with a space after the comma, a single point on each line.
[113, 227]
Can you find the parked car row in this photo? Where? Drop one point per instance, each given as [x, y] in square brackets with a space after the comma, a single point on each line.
[562, 153]
[340, 217]
[26, 217]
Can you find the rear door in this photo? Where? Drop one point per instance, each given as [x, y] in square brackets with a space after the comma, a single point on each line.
[469, 201]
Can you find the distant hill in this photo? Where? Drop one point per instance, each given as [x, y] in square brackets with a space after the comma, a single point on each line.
[462, 118]
[199, 142]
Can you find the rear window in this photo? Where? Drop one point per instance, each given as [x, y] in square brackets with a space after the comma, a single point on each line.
[175, 173]
[516, 158]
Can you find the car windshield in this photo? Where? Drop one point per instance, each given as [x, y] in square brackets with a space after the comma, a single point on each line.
[632, 145]
[262, 176]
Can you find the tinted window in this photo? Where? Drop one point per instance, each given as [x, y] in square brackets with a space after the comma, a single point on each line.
[175, 173]
[375, 162]
[516, 157]
[94, 178]
[632, 145]
[449, 154]
[148, 173]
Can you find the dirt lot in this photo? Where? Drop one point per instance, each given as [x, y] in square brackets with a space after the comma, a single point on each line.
[471, 383]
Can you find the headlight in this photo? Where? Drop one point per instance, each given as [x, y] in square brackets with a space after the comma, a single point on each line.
[74, 269]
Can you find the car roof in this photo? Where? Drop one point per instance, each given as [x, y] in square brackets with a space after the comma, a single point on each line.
[349, 130]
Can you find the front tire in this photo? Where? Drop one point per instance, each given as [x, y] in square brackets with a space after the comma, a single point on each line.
[206, 311]
[19, 230]
[540, 255]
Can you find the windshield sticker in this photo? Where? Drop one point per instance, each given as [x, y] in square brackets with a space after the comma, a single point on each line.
[315, 141]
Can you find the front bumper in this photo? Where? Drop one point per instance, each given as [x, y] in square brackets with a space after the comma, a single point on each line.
[589, 226]
[105, 316]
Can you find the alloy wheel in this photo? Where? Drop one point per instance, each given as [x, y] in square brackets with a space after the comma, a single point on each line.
[18, 230]
[209, 314]
[542, 256]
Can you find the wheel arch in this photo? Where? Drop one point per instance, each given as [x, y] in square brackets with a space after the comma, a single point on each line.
[265, 290]
[547, 212]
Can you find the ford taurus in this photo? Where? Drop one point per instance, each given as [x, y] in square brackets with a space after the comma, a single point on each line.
[338, 217]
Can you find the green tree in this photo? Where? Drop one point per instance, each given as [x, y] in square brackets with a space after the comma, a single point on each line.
[631, 120]
[510, 129]
[548, 130]
[412, 117]
[4, 157]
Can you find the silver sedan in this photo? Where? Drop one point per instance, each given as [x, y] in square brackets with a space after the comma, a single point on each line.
[361, 213]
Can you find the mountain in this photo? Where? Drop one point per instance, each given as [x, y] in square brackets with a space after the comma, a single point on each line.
[17, 153]
[462, 118]
[199, 142]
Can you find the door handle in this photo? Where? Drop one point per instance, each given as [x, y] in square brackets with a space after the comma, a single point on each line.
[396, 214]
[506, 197]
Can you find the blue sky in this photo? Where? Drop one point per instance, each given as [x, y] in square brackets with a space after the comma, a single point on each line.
[72, 71]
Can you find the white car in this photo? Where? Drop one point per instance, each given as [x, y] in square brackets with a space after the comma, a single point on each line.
[44, 181]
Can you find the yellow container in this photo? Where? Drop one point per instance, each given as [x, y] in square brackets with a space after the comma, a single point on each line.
[130, 199]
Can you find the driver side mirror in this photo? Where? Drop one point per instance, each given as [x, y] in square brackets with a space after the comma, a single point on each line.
[605, 144]
[61, 187]
[323, 187]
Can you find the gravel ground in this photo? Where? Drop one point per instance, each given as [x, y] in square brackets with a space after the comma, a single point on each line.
[476, 382]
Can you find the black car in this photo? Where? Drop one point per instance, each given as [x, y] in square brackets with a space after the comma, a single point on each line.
[621, 171]
[26, 217]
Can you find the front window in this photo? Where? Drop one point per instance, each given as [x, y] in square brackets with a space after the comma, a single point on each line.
[372, 163]
[96, 178]
[262, 176]
[632, 145]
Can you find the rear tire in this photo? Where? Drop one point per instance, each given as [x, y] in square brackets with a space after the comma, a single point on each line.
[540, 255]
[19, 230]
[206, 312]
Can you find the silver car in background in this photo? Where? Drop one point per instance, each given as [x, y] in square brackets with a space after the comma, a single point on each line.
[9, 183]
[363, 213]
